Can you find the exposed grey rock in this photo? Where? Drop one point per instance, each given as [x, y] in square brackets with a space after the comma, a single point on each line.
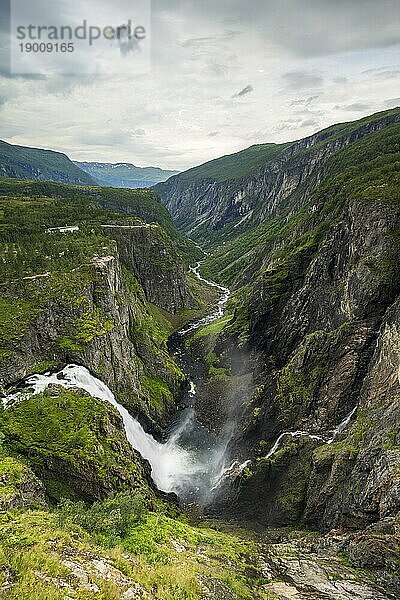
[151, 256]
[117, 355]
[19, 487]
[210, 204]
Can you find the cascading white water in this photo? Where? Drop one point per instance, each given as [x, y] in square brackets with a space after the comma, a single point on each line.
[326, 440]
[169, 462]
[190, 461]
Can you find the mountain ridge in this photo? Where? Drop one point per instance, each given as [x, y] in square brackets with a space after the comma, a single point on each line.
[42, 164]
[231, 202]
[25, 162]
[124, 175]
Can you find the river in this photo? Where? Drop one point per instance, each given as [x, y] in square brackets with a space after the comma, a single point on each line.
[191, 460]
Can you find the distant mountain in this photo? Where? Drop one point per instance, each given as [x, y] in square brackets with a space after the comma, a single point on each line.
[23, 162]
[125, 175]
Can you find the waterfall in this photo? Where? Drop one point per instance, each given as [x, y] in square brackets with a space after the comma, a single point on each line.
[326, 440]
[191, 459]
[168, 461]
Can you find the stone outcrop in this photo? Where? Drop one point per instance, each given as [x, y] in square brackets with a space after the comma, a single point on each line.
[324, 347]
[148, 252]
[75, 444]
[96, 316]
[19, 486]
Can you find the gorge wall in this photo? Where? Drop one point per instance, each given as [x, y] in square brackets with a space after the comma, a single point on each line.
[310, 244]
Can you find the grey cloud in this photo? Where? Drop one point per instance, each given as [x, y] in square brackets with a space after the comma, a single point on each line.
[304, 101]
[392, 102]
[375, 70]
[383, 72]
[243, 92]
[209, 40]
[287, 125]
[389, 74]
[355, 107]
[302, 80]
[304, 27]
[103, 138]
[216, 68]
[309, 123]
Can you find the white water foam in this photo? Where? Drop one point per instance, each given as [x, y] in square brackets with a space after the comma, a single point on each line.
[168, 461]
[219, 312]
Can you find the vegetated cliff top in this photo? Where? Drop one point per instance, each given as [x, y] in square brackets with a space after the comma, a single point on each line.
[36, 163]
[30, 207]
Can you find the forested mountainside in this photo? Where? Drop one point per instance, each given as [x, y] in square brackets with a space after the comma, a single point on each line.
[310, 246]
[23, 162]
[124, 175]
[125, 372]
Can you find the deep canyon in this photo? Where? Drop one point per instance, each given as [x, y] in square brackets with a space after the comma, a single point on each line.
[202, 380]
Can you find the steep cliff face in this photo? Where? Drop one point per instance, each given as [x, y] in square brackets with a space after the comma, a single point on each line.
[315, 320]
[97, 316]
[83, 297]
[324, 345]
[150, 255]
[201, 204]
[356, 480]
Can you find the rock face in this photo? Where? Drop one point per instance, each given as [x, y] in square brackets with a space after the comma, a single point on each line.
[96, 316]
[325, 343]
[150, 255]
[316, 313]
[19, 486]
[202, 205]
[360, 483]
[77, 446]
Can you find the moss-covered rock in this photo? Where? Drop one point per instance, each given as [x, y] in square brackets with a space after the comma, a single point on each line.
[75, 444]
[19, 487]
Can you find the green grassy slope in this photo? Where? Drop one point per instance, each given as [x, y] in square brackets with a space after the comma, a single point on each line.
[35, 163]
[233, 166]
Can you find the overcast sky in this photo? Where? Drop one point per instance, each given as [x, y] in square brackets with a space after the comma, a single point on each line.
[225, 74]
